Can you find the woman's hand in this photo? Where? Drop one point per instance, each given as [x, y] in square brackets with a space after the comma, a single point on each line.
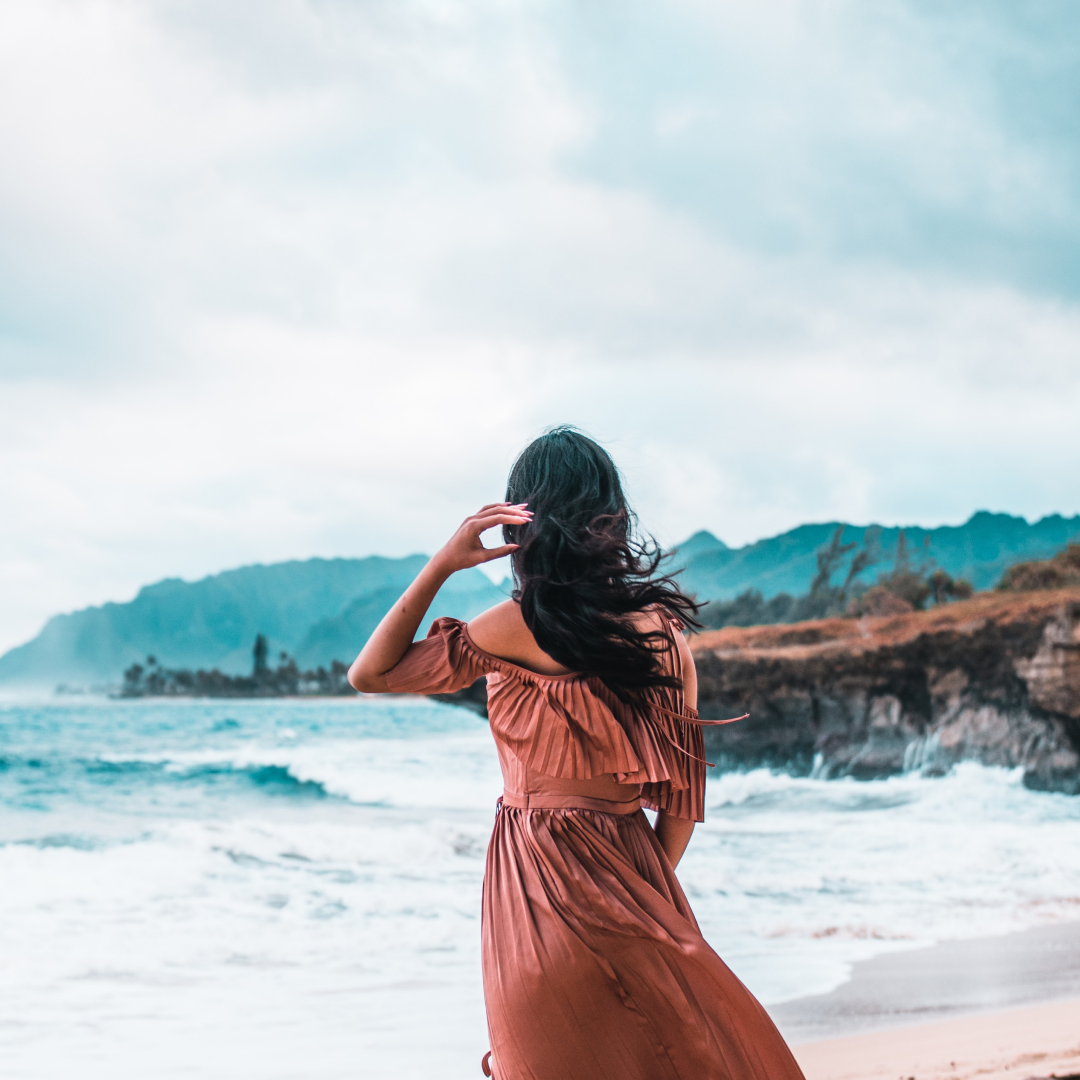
[464, 548]
[395, 633]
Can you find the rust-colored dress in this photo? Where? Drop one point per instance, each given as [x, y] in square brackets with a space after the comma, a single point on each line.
[594, 966]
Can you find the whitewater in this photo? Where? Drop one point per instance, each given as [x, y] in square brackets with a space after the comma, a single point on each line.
[291, 889]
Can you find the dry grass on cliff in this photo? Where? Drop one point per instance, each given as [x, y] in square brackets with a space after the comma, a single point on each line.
[867, 633]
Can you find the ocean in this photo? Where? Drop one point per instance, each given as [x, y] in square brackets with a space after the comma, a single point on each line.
[291, 889]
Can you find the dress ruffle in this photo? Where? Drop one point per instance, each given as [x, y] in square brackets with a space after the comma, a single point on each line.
[571, 726]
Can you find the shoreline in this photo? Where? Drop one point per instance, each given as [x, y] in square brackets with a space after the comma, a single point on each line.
[998, 1008]
[1037, 1042]
[940, 982]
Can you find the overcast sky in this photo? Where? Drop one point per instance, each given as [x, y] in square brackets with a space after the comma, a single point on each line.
[284, 278]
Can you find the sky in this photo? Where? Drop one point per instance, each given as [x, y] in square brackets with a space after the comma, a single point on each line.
[281, 279]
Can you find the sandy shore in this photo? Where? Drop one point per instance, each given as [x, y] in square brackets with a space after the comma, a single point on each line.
[1037, 1041]
[954, 979]
[1005, 1008]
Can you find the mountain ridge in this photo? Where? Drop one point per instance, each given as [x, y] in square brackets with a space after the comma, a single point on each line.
[979, 550]
[319, 610]
[213, 621]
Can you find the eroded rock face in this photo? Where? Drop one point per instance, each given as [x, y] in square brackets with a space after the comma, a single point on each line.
[995, 679]
[1052, 675]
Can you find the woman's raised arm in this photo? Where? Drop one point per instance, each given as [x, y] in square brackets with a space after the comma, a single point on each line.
[395, 633]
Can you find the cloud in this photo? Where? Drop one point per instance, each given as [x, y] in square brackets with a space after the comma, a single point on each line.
[929, 136]
[284, 279]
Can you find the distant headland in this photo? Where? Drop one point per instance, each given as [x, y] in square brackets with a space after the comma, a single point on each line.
[886, 657]
[319, 613]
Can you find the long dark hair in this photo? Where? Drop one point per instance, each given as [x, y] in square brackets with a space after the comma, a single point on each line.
[581, 572]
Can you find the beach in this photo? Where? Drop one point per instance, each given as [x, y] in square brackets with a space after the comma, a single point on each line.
[270, 890]
[1040, 1041]
[993, 1008]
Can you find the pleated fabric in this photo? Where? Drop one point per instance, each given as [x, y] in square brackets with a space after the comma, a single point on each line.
[594, 966]
[570, 726]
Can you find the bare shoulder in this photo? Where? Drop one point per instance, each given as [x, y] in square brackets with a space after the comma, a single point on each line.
[501, 631]
[496, 623]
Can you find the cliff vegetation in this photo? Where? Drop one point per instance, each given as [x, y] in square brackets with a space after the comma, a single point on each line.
[1060, 572]
[913, 581]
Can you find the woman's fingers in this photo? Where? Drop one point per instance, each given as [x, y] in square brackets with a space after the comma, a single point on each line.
[489, 521]
[490, 512]
[498, 513]
[494, 506]
[499, 552]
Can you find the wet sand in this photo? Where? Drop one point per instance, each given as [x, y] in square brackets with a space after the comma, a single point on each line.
[1039, 1041]
[953, 979]
[1005, 1008]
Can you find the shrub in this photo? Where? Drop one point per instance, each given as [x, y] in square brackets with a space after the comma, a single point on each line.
[879, 600]
[1060, 572]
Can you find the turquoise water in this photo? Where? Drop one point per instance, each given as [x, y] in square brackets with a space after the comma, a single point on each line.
[83, 773]
[274, 889]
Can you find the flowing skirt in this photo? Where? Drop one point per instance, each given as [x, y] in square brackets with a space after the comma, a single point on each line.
[594, 966]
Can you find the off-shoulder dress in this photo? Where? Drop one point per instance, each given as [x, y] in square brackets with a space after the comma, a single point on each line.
[594, 967]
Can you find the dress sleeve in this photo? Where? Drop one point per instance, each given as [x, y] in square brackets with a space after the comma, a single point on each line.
[681, 793]
[440, 664]
[682, 802]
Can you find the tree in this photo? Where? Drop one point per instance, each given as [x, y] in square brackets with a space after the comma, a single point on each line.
[944, 588]
[908, 584]
[259, 652]
[940, 585]
[869, 556]
[749, 608]
[829, 559]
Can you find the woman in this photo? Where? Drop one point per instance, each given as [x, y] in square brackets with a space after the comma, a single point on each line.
[594, 967]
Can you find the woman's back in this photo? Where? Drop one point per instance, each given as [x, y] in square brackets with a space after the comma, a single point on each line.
[502, 631]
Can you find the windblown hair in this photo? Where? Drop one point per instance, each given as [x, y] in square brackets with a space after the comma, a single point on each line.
[581, 573]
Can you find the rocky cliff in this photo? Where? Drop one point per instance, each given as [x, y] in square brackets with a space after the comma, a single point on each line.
[994, 679]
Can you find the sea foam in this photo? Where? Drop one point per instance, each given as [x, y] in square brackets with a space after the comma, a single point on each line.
[273, 889]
